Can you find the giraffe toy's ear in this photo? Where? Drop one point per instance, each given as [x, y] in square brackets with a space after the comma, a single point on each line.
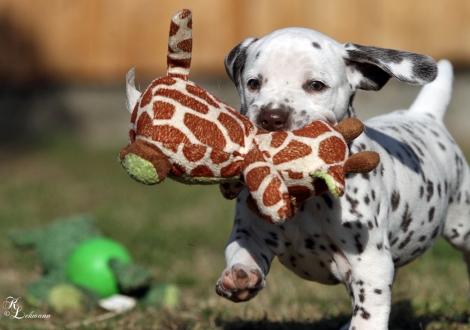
[132, 94]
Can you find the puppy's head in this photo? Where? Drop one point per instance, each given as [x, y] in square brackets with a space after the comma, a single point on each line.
[295, 75]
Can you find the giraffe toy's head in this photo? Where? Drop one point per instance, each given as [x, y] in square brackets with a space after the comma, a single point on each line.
[181, 131]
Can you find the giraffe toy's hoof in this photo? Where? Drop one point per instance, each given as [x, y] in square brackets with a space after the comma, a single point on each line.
[140, 169]
[144, 162]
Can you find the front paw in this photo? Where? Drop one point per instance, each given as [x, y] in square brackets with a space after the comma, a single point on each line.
[240, 283]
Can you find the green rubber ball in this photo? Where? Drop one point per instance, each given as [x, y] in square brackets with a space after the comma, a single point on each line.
[88, 266]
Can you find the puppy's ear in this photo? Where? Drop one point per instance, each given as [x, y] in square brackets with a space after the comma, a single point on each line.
[370, 68]
[235, 60]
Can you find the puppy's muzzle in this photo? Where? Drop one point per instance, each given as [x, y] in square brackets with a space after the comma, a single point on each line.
[273, 120]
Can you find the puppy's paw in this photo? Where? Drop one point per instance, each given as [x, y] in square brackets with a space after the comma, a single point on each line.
[240, 283]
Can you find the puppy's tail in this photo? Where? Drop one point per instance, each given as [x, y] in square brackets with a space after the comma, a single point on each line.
[434, 97]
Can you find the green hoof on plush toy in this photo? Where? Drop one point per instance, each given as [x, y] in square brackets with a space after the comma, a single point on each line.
[144, 162]
[140, 169]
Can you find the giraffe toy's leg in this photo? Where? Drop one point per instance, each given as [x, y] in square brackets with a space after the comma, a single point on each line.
[268, 190]
[144, 162]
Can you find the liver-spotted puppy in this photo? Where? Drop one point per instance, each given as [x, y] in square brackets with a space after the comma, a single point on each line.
[386, 218]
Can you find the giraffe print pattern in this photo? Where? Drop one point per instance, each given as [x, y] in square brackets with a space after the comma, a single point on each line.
[184, 132]
[180, 44]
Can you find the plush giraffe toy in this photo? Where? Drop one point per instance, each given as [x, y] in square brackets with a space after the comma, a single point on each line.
[179, 130]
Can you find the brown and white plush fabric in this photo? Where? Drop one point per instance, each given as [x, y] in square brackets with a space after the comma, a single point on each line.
[180, 130]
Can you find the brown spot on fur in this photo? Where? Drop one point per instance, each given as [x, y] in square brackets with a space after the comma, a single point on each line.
[219, 157]
[337, 173]
[272, 194]
[168, 134]
[332, 150]
[171, 146]
[134, 113]
[144, 125]
[232, 169]
[179, 76]
[185, 13]
[179, 63]
[146, 98]
[202, 171]
[278, 139]
[234, 129]
[187, 101]
[205, 131]
[284, 212]
[202, 94]
[185, 45]
[254, 155]
[313, 130]
[255, 176]
[293, 150]
[194, 152]
[163, 81]
[173, 28]
[295, 175]
[163, 110]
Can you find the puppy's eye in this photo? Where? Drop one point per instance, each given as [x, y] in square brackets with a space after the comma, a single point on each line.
[254, 84]
[315, 86]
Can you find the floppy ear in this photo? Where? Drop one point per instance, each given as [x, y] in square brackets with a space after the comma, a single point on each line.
[235, 60]
[370, 68]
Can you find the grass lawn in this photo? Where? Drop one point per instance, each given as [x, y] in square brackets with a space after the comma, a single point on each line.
[179, 232]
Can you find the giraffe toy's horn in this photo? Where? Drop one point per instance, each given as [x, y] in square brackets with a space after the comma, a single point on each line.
[180, 44]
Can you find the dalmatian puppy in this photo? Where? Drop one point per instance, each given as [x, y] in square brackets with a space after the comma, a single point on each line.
[386, 218]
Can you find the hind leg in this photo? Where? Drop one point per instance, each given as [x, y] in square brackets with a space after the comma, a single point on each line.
[457, 227]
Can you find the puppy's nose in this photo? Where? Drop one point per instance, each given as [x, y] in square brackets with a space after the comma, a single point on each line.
[273, 121]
